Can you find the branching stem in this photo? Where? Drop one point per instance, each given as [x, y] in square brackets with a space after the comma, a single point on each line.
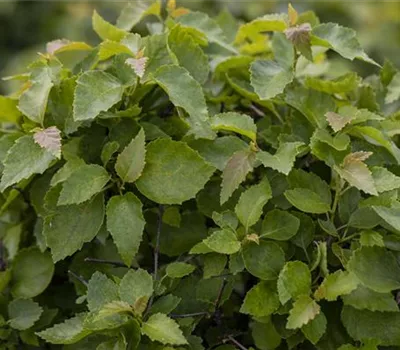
[234, 341]
[78, 277]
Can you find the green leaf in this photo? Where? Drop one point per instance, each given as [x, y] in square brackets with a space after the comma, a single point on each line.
[95, 92]
[370, 238]
[343, 84]
[261, 300]
[179, 269]
[33, 101]
[283, 159]
[363, 325]
[8, 110]
[265, 335]
[269, 78]
[312, 104]
[218, 151]
[85, 182]
[294, 280]
[109, 149]
[188, 53]
[393, 89]
[100, 291]
[161, 328]
[130, 162]
[133, 13]
[336, 284]
[172, 216]
[135, 284]
[365, 298]
[263, 260]
[307, 201]
[303, 311]
[339, 142]
[315, 329]
[108, 49]
[214, 265]
[223, 241]
[186, 94]
[114, 344]
[391, 216]
[68, 332]
[226, 219]
[252, 202]
[340, 39]
[283, 50]
[32, 273]
[267, 23]
[384, 179]
[63, 45]
[279, 225]
[173, 172]
[105, 30]
[24, 159]
[156, 49]
[236, 122]
[23, 313]
[376, 268]
[69, 227]
[125, 222]
[66, 171]
[165, 304]
[376, 137]
[235, 172]
[305, 233]
[208, 27]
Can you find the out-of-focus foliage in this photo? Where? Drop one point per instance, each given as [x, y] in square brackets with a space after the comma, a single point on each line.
[25, 26]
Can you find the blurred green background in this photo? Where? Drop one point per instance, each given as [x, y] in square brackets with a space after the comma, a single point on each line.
[26, 26]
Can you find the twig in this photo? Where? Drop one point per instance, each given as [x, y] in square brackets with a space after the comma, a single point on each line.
[234, 341]
[157, 247]
[102, 261]
[257, 111]
[79, 278]
[3, 263]
[219, 297]
[194, 314]
[156, 253]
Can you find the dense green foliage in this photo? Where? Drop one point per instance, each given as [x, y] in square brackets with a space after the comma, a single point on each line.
[203, 186]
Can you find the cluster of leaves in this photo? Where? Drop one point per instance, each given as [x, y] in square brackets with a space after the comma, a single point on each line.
[204, 186]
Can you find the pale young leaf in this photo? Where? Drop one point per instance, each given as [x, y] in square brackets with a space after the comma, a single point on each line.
[303, 311]
[356, 172]
[293, 15]
[337, 121]
[161, 328]
[50, 139]
[138, 65]
[62, 45]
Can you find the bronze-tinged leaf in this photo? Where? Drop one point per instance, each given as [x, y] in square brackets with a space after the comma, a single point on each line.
[299, 34]
[138, 65]
[50, 139]
[337, 121]
[356, 157]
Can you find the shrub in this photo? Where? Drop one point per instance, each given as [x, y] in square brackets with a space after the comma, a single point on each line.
[210, 183]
